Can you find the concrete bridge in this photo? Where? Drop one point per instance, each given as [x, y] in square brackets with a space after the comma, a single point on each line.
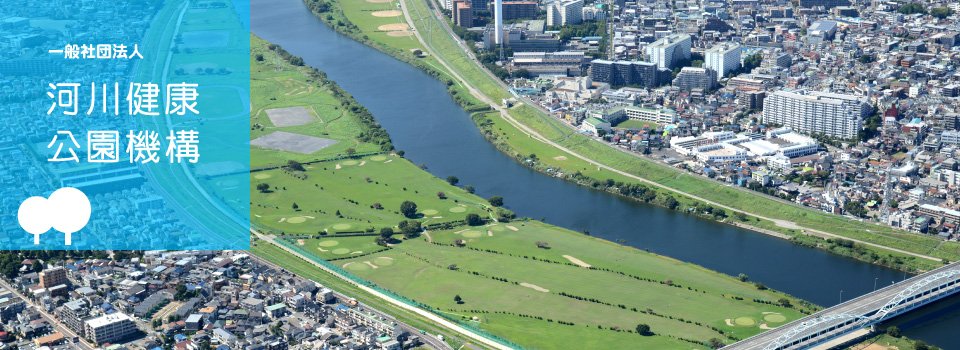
[849, 319]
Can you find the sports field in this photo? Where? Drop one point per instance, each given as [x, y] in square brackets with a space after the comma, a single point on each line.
[506, 272]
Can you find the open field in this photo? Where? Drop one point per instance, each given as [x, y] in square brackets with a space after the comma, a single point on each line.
[636, 124]
[494, 281]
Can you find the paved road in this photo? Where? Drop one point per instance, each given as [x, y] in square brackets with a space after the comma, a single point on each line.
[68, 334]
[865, 305]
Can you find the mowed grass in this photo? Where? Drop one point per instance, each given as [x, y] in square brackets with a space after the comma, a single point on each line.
[636, 124]
[289, 87]
[491, 282]
[353, 190]
[332, 247]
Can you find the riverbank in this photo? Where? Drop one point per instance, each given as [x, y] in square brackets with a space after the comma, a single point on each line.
[511, 283]
[869, 236]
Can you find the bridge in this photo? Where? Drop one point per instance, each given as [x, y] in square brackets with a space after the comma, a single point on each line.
[826, 327]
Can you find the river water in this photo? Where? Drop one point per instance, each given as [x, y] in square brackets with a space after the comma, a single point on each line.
[425, 122]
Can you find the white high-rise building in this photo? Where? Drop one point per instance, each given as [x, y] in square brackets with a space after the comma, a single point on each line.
[669, 50]
[723, 58]
[498, 20]
[562, 12]
[821, 112]
[109, 328]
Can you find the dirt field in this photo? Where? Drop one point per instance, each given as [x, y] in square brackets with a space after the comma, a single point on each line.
[394, 26]
[400, 33]
[387, 13]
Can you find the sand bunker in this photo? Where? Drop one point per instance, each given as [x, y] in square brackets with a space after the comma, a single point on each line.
[560, 158]
[387, 13]
[394, 26]
[513, 228]
[400, 33]
[535, 287]
[576, 261]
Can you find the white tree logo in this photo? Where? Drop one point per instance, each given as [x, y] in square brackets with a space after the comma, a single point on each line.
[67, 210]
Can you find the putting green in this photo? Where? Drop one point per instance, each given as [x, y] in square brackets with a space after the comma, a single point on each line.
[261, 176]
[458, 209]
[745, 321]
[342, 226]
[430, 212]
[297, 220]
[349, 162]
[496, 228]
[774, 318]
[358, 267]
[471, 234]
[340, 251]
[382, 261]
[328, 243]
[378, 158]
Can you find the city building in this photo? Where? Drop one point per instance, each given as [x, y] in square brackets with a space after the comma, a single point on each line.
[564, 63]
[621, 73]
[110, 328]
[72, 314]
[564, 12]
[670, 50]
[691, 78]
[53, 277]
[823, 3]
[832, 114]
[723, 58]
[821, 31]
[517, 9]
[527, 36]
[751, 100]
[661, 116]
[462, 13]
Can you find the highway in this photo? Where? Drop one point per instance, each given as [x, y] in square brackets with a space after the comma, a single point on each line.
[866, 305]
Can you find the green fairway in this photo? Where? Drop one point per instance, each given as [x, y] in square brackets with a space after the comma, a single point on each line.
[340, 247]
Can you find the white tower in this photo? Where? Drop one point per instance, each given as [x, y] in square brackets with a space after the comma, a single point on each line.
[498, 21]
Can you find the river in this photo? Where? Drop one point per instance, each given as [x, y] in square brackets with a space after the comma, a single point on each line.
[425, 122]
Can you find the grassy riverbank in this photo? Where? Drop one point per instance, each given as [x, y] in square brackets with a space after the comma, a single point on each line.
[534, 284]
[354, 19]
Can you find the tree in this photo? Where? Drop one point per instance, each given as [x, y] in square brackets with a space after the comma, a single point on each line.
[295, 206]
[643, 329]
[743, 277]
[453, 267]
[350, 151]
[294, 165]
[386, 233]
[893, 331]
[410, 228]
[459, 242]
[784, 302]
[469, 189]
[542, 244]
[715, 343]
[377, 206]
[474, 220]
[496, 201]
[441, 195]
[670, 202]
[458, 299]
[920, 345]
[941, 12]
[760, 286]
[453, 180]
[521, 73]
[263, 187]
[259, 57]
[417, 53]
[36, 266]
[408, 209]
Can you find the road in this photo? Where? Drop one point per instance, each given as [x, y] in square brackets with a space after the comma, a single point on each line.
[396, 303]
[537, 136]
[68, 333]
[865, 305]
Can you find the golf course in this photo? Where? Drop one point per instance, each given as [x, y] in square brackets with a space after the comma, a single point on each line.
[321, 182]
